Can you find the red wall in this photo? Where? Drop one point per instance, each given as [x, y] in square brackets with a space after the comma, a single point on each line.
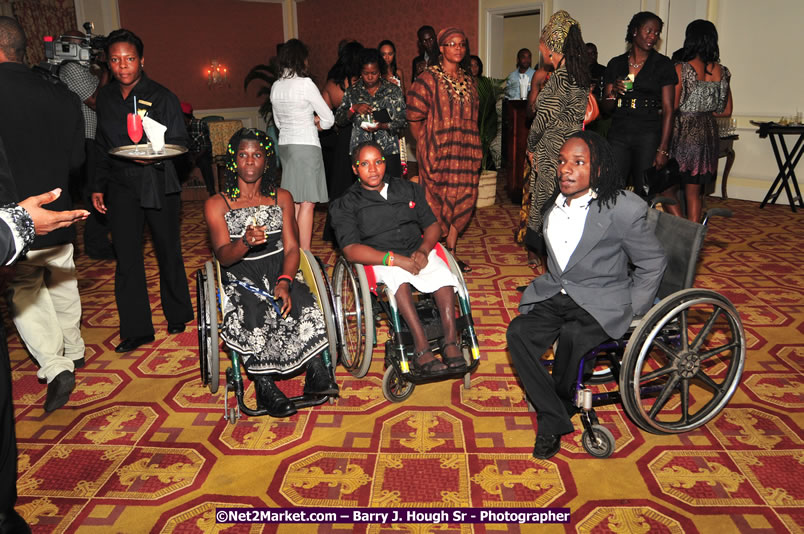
[323, 23]
[182, 36]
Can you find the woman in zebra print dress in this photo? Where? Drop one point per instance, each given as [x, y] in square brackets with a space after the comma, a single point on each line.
[560, 109]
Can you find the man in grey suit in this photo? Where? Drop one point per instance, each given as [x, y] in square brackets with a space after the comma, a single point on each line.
[589, 294]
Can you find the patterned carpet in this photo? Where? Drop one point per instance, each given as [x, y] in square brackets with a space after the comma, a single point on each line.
[142, 445]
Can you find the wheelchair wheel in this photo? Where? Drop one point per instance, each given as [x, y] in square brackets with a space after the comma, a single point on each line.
[354, 317]
[683, 362]
[394, 386]
[598, 441]
[208, 348]
[323, 294]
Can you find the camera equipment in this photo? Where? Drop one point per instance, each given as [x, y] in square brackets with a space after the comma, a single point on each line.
[84, 50]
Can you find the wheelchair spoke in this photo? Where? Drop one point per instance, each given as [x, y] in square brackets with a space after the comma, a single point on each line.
[717, 350]
[656, 374]
[667, 349]
[703, 377]
[685, 340]
[699, 339]
[685, 400]
[664, 396]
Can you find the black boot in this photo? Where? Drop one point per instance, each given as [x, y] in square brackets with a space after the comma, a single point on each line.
[271, 398]
[319, 380]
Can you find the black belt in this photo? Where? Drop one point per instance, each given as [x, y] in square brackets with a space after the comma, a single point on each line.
[639, 103]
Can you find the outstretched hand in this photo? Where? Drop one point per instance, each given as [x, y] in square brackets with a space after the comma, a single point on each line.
[45, 220]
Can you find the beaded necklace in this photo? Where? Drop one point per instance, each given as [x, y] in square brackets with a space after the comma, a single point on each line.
[457, 90]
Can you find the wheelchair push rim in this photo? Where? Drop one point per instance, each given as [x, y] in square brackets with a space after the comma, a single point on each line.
[354, 317]
[683, 362]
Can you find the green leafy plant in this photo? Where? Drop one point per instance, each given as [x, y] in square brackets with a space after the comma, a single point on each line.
[489, 91]
[267, 74]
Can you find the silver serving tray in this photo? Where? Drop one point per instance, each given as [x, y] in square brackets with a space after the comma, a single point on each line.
[127, 151]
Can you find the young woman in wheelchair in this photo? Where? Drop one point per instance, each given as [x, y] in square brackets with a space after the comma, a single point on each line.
[386, 222]
[279, 329]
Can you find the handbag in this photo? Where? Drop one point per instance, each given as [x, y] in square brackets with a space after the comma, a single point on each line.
[658, 181]
[592, 110]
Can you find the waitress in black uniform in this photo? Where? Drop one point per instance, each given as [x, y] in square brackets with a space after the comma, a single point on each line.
[133, 192]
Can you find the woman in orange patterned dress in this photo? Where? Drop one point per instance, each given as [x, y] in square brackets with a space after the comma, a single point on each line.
[442, 107]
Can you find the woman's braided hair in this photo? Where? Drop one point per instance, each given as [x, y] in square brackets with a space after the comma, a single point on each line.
[270, 176]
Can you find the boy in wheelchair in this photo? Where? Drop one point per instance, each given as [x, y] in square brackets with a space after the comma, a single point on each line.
[386, 222]
[270, 316]
[593, 230]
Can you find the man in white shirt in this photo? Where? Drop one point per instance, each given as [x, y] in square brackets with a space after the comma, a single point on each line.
[518, 84]
[593, 231]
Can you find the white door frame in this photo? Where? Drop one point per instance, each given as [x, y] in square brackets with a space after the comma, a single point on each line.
[489, 17]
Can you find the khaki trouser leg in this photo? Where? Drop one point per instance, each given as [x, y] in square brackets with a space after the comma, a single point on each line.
[46, 309]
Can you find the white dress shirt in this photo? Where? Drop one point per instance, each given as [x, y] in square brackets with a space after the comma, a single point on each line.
[565, 226]
[293, 101]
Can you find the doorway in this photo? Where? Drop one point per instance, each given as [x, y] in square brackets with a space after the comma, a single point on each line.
[509, 29]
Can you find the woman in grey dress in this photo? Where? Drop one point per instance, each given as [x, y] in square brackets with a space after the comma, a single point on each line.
[702, 93]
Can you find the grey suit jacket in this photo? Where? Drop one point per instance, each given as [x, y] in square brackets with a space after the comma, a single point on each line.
[597, 276]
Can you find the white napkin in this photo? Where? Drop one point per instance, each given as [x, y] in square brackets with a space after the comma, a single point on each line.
[155, 132]
[524, 86]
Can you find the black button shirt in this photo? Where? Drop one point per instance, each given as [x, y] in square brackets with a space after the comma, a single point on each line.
[112, 111]
[365, 217]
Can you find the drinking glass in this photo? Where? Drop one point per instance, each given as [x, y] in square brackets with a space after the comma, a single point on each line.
[134, 127]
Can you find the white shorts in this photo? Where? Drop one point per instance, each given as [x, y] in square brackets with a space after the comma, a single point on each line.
[434, 276]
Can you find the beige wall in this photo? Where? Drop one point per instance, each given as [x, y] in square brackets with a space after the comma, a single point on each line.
[519, 32]
[603, 22]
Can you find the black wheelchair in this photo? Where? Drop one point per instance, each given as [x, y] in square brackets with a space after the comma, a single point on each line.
[679, 365]
[358, 304]
[211, 301]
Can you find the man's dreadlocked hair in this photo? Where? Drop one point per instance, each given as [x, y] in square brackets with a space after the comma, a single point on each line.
[603, 177]
[270, 176]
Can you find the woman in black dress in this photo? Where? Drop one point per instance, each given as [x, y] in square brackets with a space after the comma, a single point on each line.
[638, 91]
[254, 236]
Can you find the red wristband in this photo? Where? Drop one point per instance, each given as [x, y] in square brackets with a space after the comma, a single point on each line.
[284, 277]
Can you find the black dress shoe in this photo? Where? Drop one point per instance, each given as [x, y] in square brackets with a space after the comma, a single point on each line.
[271, 398]
[318, 380]
[176, 328]
[12, 523]
[546, 446]
[131, 343]
[79, 363]
[58, 391]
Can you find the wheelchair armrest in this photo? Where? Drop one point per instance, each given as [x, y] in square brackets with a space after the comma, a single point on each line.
[716, 212]
[662, 200]
[635, 320]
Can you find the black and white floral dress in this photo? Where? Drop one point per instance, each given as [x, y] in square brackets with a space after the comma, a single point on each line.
[251, 326]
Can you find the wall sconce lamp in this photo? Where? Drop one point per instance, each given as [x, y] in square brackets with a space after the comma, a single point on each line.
[217, 74]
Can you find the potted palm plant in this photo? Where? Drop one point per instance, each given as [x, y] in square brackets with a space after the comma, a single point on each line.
[489, 91]
[267, 74]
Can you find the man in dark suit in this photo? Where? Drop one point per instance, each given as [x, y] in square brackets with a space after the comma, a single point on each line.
[18, 224]
[589, 294]
[42, 128]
